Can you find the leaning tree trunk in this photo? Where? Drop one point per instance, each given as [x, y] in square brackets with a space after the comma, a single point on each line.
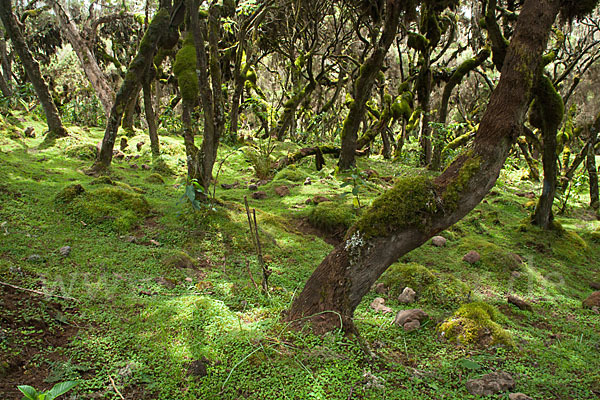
[364, 84]
[157, 30]
[415, 209]
[547, 114]
[86, 56]
[32, 68]
[150, 115]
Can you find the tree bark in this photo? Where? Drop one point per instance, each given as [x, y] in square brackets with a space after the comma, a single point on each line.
[366, 78]
[417, 208]
[150, 117]
[159, 27]
[86, 56]
[6, 65]
[32, 68]
[591, 166]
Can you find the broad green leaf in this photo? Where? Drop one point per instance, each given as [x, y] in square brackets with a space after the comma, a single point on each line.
[60, 388]
[355, 202]
[29, 392]
[468, 364]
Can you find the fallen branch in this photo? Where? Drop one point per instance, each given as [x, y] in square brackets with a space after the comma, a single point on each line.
[38, 292]
[112, 382]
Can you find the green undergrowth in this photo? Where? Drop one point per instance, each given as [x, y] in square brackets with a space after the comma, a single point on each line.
[161, 289]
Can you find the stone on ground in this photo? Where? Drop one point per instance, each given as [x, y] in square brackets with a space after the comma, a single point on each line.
[496, 382]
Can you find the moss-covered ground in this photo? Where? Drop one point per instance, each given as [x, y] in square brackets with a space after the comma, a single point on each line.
[164, 304]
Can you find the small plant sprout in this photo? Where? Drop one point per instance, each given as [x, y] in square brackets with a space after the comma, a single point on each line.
[59, 389]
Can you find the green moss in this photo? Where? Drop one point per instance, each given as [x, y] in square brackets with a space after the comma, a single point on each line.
[569, 246]
[118, 209]
[431, 286]
[103, 180]
[185, 71]
[493, 257]
[155, 178]
[331, 217]
[290, 173]
[69, 193]
[410, 203]
[178, 259]
[455, 189]
[475, 324]
[417, 41]
[548, 108]
[82, 151]
[401, 109]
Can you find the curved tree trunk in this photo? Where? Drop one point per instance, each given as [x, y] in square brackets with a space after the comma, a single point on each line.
[417, 208]
[364, 84]
[86, 56]
[159, 26]
[32, 68]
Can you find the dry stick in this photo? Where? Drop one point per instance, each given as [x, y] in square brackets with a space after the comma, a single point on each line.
[250, 273]
[38, 292]
[261, 261]
[112, 382]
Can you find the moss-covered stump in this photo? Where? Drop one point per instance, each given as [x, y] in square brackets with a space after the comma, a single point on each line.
[113, 207]
[431, 286]
[331, 217]
[475, 324]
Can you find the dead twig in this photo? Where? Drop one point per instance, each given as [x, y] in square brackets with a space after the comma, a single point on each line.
[38, 292]
[112, 382]
[256, 241]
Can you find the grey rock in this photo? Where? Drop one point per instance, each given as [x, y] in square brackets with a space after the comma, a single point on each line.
[472, 257]
[146, 167]
[412, 325]
[522, 304]
[65, 251]
[407, 296]
[515, 274]
[490, 384]
[308, 181]
[253, 187]
[35, 258]
[438, 241]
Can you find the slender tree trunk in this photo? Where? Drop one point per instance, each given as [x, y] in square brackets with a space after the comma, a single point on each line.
[534, 173]
[364, 84]
[86, 56]
[287, 119]
[4, 88]
[6, 65]
[593, 171]
[417, 208]
[129, 115]
[151, 118]
[159, 26]
[32, 68]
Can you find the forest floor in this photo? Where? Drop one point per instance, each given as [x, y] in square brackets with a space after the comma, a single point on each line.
[162, 302]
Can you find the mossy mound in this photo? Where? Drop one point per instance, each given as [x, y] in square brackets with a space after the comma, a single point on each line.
[82, 151]
[69, 193]
[475, 324]
[103, 180]
[493, 257]
[155, 178]
[431, 286]
[113, 207]
[569, 246]
[290, 173]
[331, 217]
[178, 259]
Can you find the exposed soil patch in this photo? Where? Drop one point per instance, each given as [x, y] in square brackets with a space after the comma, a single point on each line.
[29, 324]
[332, 238]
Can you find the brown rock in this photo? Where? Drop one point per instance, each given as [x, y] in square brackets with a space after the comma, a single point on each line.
[378, 305]
[519, 396]
[29, 132]
[320, 199]
[146, 167]
[593, 300]
[282, 191]
[139, 146]
[119, 156]
[260, 195]
[253, 187]
[522, 304]
[490, 384]
[407, 316]
[411, 325]
[228, 186]
[515, 274]
[123, 144]
[472, 257]
[133, 166]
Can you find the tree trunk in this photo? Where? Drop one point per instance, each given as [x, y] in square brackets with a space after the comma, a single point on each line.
[547, 113]
[129, 115]
[417, 208]
[86, 56]
[32, 68]
[534, 174]
[6, 65]
[364, 83]
[159, 26]
[591, 168]
[151, 118]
